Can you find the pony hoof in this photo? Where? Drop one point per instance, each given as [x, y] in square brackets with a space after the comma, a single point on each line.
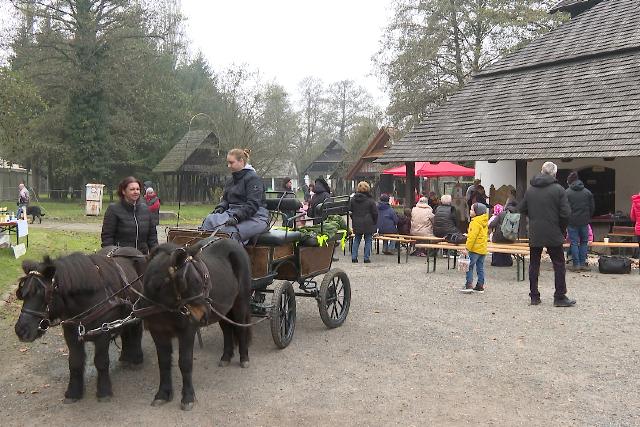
[224, 363]
[244, 364]
[69, 400]
[104, 399]
[186, 406]
[159, 402]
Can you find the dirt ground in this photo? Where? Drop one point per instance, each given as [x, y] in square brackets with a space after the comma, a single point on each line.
[414, 351]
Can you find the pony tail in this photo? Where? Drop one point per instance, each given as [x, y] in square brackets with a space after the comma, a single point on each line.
[247, 153]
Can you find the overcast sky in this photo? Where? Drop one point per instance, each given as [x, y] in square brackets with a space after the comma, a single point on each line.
[288, 40]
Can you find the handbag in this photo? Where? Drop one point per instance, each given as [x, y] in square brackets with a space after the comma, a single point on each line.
[614, 265]
[455, 238]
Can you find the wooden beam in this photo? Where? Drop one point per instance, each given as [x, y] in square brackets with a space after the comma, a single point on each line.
[410, 188]
[521, 188]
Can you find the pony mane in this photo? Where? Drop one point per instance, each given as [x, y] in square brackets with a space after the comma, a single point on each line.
[77, 273]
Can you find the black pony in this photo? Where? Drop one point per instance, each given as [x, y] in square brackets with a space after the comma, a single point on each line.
[83, 292]
[185, 288]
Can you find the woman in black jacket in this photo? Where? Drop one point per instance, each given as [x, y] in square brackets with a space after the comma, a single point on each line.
[242, 211]
[129, 222]
[445, 220]
[364, 217]
[321, 192]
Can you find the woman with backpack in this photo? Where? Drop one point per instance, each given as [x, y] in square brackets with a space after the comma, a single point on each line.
[496, 223]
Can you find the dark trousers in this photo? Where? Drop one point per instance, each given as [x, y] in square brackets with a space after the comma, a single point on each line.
[557, 259]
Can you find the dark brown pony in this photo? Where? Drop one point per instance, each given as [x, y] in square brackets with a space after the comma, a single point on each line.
[75, 290]
[190, 287]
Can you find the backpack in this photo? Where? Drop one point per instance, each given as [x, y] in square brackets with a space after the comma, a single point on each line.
[510, 226]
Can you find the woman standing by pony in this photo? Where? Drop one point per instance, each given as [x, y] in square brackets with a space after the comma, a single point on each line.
[129, 223]
[242, 211]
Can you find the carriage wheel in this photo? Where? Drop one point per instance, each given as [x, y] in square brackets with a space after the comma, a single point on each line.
[283, 314]
[335, 298]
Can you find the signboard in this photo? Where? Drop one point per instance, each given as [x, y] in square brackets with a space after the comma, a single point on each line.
[19, 250]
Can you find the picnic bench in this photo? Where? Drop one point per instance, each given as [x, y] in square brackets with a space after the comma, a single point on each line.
[403, 239]
[518, 250]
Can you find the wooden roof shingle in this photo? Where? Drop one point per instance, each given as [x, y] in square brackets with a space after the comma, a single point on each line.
[193, 153]
[572, 93]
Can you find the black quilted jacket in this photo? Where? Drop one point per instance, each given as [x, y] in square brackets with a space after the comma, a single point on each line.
[129, 225]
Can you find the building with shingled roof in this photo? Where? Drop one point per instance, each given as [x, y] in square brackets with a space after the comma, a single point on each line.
[571, 96]
[192, 168]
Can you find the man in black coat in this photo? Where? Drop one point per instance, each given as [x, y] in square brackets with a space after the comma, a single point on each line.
[547, 206]
[582, 208]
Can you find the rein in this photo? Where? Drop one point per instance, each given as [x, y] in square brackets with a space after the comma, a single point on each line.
[183, 303]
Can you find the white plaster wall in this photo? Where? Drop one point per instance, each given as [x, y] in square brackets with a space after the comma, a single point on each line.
[627, 175]
[496, 174]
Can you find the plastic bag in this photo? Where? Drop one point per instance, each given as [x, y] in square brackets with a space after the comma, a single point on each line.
[463, 263]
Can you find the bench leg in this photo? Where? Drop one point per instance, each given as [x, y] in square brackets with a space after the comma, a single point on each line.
[406, 256]
[398, 246]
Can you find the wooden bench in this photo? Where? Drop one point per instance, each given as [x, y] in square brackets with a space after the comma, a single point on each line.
[518, 250]
[619, 231]
[399, 239]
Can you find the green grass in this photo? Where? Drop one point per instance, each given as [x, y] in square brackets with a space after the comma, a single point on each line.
[73, 211]
[44, 242]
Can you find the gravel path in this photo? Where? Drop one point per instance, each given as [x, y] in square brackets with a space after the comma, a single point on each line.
[414, 351]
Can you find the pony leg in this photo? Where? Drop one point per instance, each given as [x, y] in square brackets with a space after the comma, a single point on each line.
[164, 351]
[77, 357]
[243, 335]
[101, 362]
[227, 352]
[185, 361]
[131, 337]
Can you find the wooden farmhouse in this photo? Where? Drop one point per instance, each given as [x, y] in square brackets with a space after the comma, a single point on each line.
[192, 168]
[364, 169]
[327, 162]
[571, 96]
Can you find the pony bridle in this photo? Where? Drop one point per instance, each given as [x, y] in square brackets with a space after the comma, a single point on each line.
[206, 285]
[45, 321]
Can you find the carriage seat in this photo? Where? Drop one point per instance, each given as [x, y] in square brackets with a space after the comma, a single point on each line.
[278, 237]
[286, 204]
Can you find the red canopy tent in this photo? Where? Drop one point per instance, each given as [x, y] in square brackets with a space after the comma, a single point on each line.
[430, 170]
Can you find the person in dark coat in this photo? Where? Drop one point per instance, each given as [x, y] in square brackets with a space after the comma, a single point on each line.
[445, 220]
[129, 222]
[242, 211]
[364, 216]
[582, 208]
[387, 223]
[404, 223]
[321, 193]
[547, 206]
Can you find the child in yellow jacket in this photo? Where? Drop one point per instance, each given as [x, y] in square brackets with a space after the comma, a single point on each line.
[477, 238]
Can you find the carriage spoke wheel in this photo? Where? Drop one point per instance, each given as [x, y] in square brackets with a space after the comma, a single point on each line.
[335, 298]
[283, 314]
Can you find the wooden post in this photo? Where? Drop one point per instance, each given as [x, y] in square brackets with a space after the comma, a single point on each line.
[521, 187]
[410, 188]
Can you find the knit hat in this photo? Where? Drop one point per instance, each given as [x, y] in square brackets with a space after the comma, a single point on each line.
[497, 209]
[479, 208]
[384, 198]
[573, 176]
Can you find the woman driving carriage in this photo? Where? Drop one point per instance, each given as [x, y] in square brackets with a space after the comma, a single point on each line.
[242, 211]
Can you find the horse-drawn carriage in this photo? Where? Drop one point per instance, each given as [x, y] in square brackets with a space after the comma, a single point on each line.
[283, 256]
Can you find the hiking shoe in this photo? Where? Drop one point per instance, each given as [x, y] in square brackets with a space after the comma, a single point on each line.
[467, 289]
[367, 261]
[574, 268]
[354, 260]
[479, 289]
[535, 301]
[564, 302]
[585, 268]
[387, 252]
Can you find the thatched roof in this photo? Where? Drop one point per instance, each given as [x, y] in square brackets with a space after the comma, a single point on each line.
[196, 152]
[329, 160]
[572, 93]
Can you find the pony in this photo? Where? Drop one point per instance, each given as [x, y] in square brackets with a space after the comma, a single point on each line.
[186, 288]
[84, 293]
